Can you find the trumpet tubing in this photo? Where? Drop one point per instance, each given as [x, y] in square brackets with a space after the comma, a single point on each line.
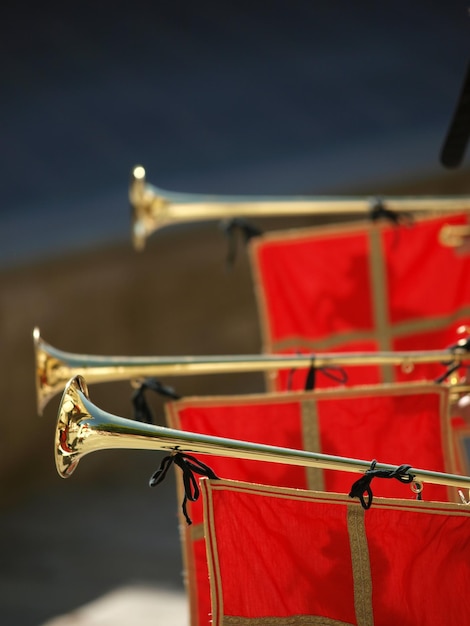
[83, 428]
[154, 208]
[55, 367]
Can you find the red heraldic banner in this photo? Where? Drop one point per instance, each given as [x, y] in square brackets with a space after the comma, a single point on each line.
[282, 556]
[393, 423]
[362, 287]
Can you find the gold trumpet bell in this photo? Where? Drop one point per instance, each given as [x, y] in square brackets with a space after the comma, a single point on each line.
[73, 428]
[82, 428]
[74, 435]
[148, 208]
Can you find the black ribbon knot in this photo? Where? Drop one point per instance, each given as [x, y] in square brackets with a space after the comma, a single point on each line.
[190, 466]
[142, 412]
[379, 211]
[362, 486]
[248, 231]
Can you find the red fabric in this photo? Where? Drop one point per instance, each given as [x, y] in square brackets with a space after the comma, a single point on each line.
[278, 553]
[395, 424]
[394, 429]
[315, 290]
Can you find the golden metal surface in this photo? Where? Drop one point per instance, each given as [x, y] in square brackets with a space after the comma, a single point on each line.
[454, 235]
[83, 428]
[55, 367]
[154, 208]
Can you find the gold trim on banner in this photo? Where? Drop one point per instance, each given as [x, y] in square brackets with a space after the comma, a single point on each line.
[379, 293]
[395, 331]
[196, 532]
[234, 400]
[398, 504]
[212, 552]
[292, 620]
[429, 323]
[311, 441]
[360, 566]
[287, 397]
[186, 532]
[322, 344]
[264, 325]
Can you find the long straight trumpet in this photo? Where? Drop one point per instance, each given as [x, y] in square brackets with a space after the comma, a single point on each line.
[55, 367]
[153, 208]
[83, 428]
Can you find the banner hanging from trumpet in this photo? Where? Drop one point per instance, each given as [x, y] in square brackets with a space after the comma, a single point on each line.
[361, 287]
[405, 420]
[280, 556]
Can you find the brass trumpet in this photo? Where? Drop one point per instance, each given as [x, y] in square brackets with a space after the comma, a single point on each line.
[154, 208]
[55, 367]
[83, 428]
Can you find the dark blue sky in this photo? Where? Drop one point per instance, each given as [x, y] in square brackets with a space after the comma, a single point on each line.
[277, 97]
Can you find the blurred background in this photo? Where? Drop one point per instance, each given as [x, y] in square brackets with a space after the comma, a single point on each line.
[232, 97]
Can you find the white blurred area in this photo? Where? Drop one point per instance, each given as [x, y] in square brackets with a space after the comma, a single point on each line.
[145, 606]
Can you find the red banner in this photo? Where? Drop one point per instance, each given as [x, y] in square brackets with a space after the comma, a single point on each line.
[284, 556]
[362, 287]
